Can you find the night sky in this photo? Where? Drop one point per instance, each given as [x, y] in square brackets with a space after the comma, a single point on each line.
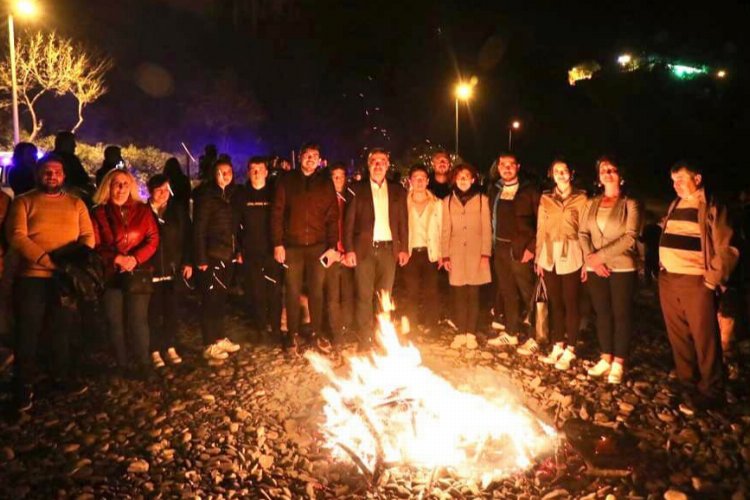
[378, 73]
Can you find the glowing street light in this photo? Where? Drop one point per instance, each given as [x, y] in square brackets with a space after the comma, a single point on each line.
[27, 9]
[721, 73]
[624, 59]
[463, 92]
[515, 125]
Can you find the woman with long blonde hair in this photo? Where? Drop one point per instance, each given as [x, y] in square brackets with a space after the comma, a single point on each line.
[126, 238]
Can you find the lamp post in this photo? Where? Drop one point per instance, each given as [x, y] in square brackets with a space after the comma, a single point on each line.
[24, 8]
[463, 92]
[515, 125]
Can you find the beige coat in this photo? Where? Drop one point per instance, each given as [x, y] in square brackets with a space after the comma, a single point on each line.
[466, 237]
[433, 215]
[617, 243]
[558, 222]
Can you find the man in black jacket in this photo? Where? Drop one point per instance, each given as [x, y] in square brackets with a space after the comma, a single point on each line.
[376, 237]
[514, 206]
[304, 232]
[262, 274]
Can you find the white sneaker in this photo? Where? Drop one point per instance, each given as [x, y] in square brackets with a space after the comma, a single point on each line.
[496, 325]
[564, 362]
[553, 356]
[615, 373]
[528, 348]
[227, 345]
[503, 339]
[156, 359]
[173, 357]
[214, 352]
[450, 324]
[600, 369]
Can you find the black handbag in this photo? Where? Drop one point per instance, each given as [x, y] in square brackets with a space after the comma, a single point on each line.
[138, 281]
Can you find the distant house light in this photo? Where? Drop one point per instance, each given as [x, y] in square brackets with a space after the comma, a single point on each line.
[683, 71]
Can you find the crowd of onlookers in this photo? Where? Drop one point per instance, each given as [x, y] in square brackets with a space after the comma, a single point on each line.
[314, 249]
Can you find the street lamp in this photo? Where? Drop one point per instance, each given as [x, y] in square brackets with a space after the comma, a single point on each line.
[464, 91]
[515, 125]
[721, 73]
[24, 8]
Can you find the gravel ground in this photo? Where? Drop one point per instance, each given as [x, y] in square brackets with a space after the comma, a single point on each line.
[249, 428]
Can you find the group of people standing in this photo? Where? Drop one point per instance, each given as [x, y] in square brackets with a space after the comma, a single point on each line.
[310, 237]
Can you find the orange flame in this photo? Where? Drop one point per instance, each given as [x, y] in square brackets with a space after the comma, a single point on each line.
[389, 409]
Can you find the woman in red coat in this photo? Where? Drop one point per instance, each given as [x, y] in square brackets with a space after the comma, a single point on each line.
[126, 237]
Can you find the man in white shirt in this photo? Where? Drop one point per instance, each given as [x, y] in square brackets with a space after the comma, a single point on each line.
[376, 237]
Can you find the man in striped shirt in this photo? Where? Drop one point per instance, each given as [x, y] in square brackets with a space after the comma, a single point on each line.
[696, 257]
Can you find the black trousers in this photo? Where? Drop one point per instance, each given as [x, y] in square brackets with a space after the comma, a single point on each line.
[162, 316]
[516, 282]
[612, 299]
[263, 288]
[689, 311]
[339, 289]
[213, 284]
[466, 307]
[373, 274]
[563, 291]
[420, 279]
[304, 269]
[38, 305]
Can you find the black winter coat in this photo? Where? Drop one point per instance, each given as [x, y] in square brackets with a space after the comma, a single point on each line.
[214, 224]
[175, 243]
[80, 272]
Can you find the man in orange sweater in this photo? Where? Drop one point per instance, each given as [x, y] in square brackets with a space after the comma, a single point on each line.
[41, 221]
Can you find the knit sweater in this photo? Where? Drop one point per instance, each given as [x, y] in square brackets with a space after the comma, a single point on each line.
[39, 223]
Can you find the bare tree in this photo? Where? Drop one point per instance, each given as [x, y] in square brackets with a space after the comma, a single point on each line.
[52, 64]
[87, 84]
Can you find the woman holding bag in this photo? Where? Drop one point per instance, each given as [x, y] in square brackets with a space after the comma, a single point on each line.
[466, 246]
[126, 238]
[559, 261]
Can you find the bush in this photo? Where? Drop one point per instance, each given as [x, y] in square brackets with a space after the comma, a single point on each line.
[142, 161]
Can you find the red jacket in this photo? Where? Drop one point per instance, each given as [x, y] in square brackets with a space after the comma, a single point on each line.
[127, 230]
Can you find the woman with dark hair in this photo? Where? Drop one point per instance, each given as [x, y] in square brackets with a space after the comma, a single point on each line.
[559, 260]
[112, 160]
[170, 262]
[22, 176]
[126, 238]
[466, 245]
[215, 248]
[179, 183]
[608, 230]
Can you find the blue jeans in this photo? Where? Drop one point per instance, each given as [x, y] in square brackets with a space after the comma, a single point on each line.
[128, 310]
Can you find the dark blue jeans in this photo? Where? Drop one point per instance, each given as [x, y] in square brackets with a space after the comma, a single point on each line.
[38, 304]
[128, 312]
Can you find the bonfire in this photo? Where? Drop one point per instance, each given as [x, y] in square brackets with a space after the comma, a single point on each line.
[386, 409]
